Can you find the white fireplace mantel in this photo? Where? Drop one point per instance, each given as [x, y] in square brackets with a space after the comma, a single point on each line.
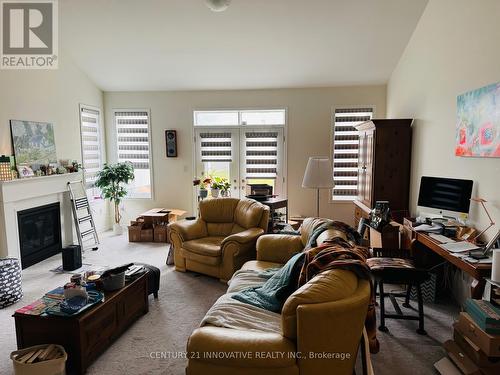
[22, 194]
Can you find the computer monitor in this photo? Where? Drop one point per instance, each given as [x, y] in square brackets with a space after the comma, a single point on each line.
[448, 195]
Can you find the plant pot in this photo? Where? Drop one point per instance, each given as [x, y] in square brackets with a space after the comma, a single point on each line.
[215, 193]
[117, 229]
[224, 193]
[203, 193]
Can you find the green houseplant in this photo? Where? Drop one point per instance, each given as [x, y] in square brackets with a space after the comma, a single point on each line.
[111, 180]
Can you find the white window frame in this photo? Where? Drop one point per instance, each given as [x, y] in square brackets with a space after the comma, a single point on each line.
[284, 149]
[101, 140]
[151, 166]
[333, 199]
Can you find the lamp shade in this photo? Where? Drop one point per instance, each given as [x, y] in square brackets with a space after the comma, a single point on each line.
[318, 174]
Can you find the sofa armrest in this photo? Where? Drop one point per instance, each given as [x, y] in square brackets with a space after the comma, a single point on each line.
[278, 248]
[189, 229]
[246, 236]
[332, 327]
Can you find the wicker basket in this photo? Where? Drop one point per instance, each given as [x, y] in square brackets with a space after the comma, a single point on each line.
[54, 366]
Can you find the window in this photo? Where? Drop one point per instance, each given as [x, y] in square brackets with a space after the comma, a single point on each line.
[261, 157]
[240, 118]
[345, 151]
[90, 128]
[244, 146]
[133, 144]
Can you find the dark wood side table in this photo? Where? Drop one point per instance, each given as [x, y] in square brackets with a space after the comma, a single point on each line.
[89, 334]
[275, 204]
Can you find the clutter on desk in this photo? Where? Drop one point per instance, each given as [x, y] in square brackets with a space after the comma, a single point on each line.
[380, 216]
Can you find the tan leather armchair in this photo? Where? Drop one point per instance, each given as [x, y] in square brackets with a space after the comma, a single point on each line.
[321, 323]
[221, 239]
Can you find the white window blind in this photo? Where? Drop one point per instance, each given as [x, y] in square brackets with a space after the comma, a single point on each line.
[91, 144]
[346, 149]
[133, 145]
[216, 146]
[261, 154]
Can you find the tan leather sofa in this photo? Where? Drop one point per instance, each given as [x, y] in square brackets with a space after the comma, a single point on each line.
[321, 322]
[222, 239]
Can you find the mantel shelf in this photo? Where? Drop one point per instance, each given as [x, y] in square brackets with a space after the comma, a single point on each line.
[40, 178]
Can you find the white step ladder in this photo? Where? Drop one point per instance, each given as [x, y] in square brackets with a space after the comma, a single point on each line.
[82, 215]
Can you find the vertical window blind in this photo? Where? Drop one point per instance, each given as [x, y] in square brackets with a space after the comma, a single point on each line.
[91, 144]
[216, 146]
[133, 138]
[133, 145]
[261, 154]
[346, 150]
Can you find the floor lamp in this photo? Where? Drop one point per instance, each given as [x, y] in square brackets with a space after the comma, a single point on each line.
[318, 175]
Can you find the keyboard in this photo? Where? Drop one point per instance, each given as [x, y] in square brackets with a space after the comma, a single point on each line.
[441, 238]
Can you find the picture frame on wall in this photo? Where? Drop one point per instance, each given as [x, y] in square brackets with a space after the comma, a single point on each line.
[478, 123]
[171, 143]
[33, 142]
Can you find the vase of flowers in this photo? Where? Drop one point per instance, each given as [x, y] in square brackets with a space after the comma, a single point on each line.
[202, 182]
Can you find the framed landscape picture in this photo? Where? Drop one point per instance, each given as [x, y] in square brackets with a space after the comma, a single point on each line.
[478, 122]
[33, 142]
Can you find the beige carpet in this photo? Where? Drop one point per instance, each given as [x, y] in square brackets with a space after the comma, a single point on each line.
[183, 301]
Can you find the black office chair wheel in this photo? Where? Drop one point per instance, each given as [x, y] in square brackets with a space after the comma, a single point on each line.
[383, 329]
[407, 305]
[421, 331]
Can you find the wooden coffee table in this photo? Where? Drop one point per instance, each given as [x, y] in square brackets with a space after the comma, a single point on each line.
[90, 333]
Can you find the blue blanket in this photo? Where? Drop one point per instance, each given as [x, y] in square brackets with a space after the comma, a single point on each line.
[275, 291]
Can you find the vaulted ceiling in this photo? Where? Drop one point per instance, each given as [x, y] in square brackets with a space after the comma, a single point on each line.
[182, 45]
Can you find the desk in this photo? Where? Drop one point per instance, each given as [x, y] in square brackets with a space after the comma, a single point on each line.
[478, 271]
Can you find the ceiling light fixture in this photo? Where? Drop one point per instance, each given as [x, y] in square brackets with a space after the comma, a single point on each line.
[218, 5]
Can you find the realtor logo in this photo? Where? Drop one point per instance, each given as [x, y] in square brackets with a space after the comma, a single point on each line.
[28, 34]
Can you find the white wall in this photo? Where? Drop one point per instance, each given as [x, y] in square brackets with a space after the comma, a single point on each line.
[454, 49]
[309, 133]
[50, 96]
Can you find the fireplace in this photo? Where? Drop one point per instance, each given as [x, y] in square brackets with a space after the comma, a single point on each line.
[39, 233]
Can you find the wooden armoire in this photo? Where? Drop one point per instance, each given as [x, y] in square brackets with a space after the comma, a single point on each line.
[384, 166]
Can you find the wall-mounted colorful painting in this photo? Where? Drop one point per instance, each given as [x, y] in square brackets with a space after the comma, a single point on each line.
[478, 122]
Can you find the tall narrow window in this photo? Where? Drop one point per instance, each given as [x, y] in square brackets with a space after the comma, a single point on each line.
[134, 145]
[262, 154]
[346, 150]
[92, 160]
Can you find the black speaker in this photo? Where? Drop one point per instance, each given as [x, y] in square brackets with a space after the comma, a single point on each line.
[72, 257]
[171, 142]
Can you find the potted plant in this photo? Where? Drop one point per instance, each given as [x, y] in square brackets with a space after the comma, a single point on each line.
[217, 186]
[202, 183]
[111, 180]
[225, 188]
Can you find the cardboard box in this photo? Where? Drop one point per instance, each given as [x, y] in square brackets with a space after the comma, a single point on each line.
[473, 351]
[460, 359]
[147, 233]
[134, 232]
[489, 344]
[160, 233]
